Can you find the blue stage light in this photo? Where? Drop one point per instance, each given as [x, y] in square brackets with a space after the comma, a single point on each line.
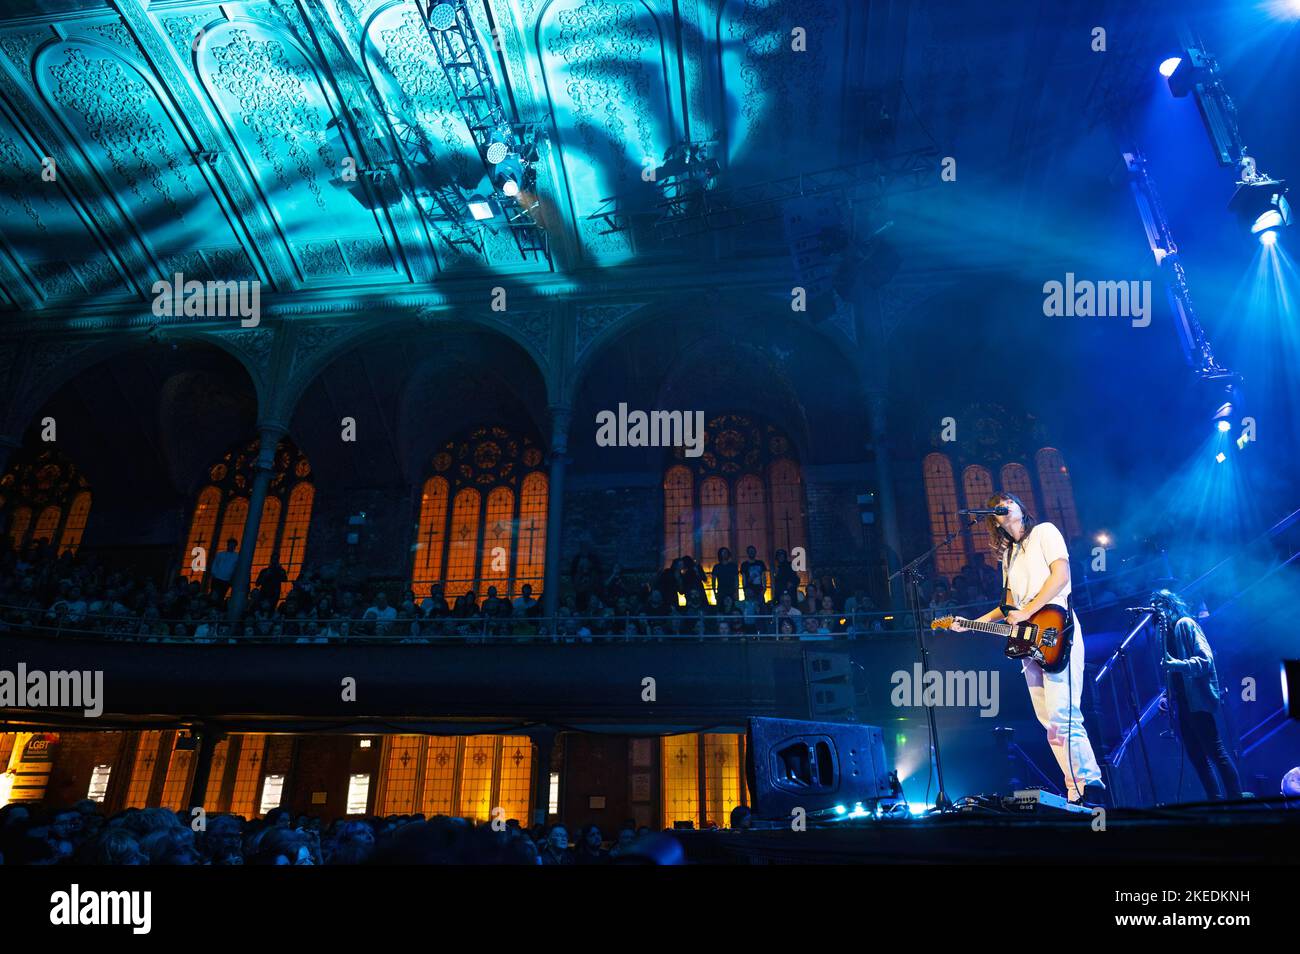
[1168, 66]
[1268, 238]
[1220, 457]
[1225, 426]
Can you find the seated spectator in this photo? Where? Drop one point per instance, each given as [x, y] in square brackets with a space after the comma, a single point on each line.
[524, 604]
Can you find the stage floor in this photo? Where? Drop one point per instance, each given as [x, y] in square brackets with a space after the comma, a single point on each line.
[1158, 836]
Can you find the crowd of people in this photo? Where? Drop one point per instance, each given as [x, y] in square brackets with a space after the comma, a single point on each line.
[39, 588]
[82, 835]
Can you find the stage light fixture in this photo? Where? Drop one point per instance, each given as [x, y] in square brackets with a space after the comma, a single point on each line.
[1103, 539]
[443, 16]
[1220, 457]
[480, 208]
[1168, 66]
[1260, 203]
[497, 152]
[1224, 426]
[1268, 239]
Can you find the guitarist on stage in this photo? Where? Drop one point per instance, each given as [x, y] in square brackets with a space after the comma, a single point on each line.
[1196, 696]
[1036, 572]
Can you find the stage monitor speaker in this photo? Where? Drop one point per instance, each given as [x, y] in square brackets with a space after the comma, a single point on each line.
[814, 766]
[830, 685]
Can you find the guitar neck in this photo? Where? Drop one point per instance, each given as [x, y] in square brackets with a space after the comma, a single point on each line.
[997, 629]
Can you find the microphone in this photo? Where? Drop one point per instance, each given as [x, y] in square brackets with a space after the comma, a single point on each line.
[1141, 609]
[994, 512]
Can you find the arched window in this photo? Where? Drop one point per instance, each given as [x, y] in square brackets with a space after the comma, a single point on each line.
[977, 483]
[1058, 492]
[483, 516]
[1015, 480]
[221, 510]
[744, 490]
[941, 497]
[49, 501]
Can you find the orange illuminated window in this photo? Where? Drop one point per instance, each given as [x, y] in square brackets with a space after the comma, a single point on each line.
[787, 508]
[203, 530]
[463, 548]
[216, 776]
[941, 496]
[977, 484]
[75, 525]
[751, 515]
[498, 530]
[432, 536]
[47, 525]
[440, 760]
[177, 786]
[1015, 480]
[530, 551]
[18, 529]
[293, 538]
[745, 490]
[248, 775]
[142, 769]
[268, 531]
[679, 514]
[515, 777]
[724, 766]
[681, 779]
[48, 500]
[476, 773]
[715, 524]
[1058, 492]
[403, 769]
[494, 532]
[286, 513]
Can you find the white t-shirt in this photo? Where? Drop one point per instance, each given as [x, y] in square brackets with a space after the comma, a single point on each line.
[1030, 564]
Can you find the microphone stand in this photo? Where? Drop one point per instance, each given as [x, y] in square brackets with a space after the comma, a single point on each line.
[1121, 655]
[912, 579]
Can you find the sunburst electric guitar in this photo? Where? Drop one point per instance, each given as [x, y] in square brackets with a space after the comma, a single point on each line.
[1044, 637]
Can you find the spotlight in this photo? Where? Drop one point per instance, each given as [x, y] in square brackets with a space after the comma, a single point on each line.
[1220, 457]
[1168, 66]
[480, 208]
[1268, 239]
[1260, 203]
[497, 152]
[1103, 539]
[1224, 426]
[443, 16]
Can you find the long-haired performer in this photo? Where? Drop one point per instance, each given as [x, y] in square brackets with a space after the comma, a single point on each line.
[1036, 572]
[1195, 694]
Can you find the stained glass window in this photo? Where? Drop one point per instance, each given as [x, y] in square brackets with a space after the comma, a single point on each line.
[223, 503]
[494, 531]
[441, 759]
[142, 769]
[1058, 492]
[477, 769]
[744, 490]
[465, 775]
[941, 497]
[977, 484]
[724, 764]
[1015, 480]
[248, 774]
[681, 779]
[177, 786]
[711, 765]
[48, 498]
[402, 766]
[216, 776]
[75, 525]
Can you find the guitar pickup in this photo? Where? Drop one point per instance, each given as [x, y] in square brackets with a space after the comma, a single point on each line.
[1049, 638]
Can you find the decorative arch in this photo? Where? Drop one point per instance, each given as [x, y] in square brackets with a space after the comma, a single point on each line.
[977, 484]
[48, 499]
[746, 489]
[482, 516]
[221, 510]
[1015, 480]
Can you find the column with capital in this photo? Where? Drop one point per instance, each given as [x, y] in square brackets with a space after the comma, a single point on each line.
[263, 470]
[561, 417]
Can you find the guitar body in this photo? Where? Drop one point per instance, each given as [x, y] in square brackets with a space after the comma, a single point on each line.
[1045, 637]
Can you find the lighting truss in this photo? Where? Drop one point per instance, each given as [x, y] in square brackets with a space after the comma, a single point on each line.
[1196, 344]
[465, 65]
[712, 210]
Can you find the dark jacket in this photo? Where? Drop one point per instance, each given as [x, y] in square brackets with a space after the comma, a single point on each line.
[1192, 671]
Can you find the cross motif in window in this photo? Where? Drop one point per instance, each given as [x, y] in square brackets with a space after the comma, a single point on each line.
[442, 759]
[721, 757]
[518, 757]
[680, 757]
[480, 757]
[406, 757]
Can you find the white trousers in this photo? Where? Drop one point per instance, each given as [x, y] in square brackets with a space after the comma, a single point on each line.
[1056, 703]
